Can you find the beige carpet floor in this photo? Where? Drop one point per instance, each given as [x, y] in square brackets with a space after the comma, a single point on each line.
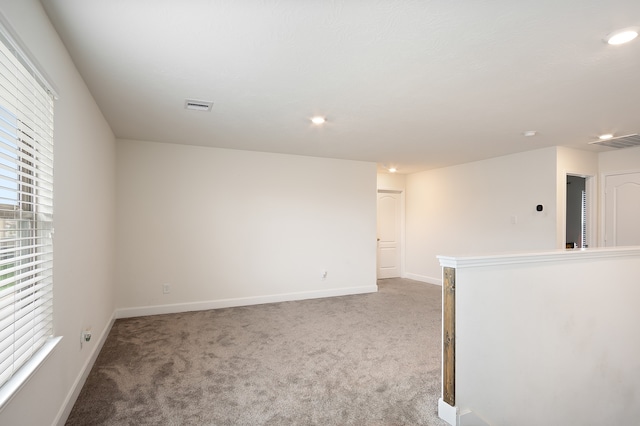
[370, 359]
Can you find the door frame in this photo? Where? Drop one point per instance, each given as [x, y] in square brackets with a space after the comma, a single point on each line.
[603, 200]
[591, 188]
[401, 245]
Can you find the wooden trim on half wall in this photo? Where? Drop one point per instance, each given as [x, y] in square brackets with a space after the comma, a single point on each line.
[449, 336]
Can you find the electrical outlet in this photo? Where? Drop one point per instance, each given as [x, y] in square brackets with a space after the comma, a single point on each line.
[166, 288]
[323, 275]
[85, 337]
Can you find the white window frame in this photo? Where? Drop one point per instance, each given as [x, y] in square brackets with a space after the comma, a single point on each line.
[26, 214]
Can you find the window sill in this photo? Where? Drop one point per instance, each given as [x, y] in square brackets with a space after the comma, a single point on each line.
[15, 383]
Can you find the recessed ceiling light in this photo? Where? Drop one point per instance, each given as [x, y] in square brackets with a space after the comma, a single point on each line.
[318, 120]
[392, 170]
[605, 137]
[622, 36]
[529, 133]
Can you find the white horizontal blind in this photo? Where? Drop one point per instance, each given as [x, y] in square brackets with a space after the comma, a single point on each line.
[26, 213]
[583, 218]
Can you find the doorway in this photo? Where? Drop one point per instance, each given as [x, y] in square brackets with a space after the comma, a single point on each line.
[389, 229]
[622, 209]
[576, 211]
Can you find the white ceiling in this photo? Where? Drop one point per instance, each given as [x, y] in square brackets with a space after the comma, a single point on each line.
[415, 84]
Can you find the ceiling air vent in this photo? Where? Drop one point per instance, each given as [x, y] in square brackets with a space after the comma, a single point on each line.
[198, 105]
[620, 142]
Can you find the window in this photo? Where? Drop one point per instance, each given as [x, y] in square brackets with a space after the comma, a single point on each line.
[26, 210]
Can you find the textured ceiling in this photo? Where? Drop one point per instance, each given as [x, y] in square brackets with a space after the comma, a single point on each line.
[415, 84]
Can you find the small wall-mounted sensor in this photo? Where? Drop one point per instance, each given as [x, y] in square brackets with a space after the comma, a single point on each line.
[539, 207]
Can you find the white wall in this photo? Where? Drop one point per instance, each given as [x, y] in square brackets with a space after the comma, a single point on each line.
[580, 163]
[470, 208]
[84, 223]
[627, 159]
[392, 181]
[549, 338]
[226, 227]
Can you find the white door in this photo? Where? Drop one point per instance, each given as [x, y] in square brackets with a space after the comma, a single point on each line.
[622, 210]
[389, 233]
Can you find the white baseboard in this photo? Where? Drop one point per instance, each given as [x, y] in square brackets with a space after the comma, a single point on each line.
[242, 301]
[469, 418]
[447, 413]
[423, 278]
[72, 396]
